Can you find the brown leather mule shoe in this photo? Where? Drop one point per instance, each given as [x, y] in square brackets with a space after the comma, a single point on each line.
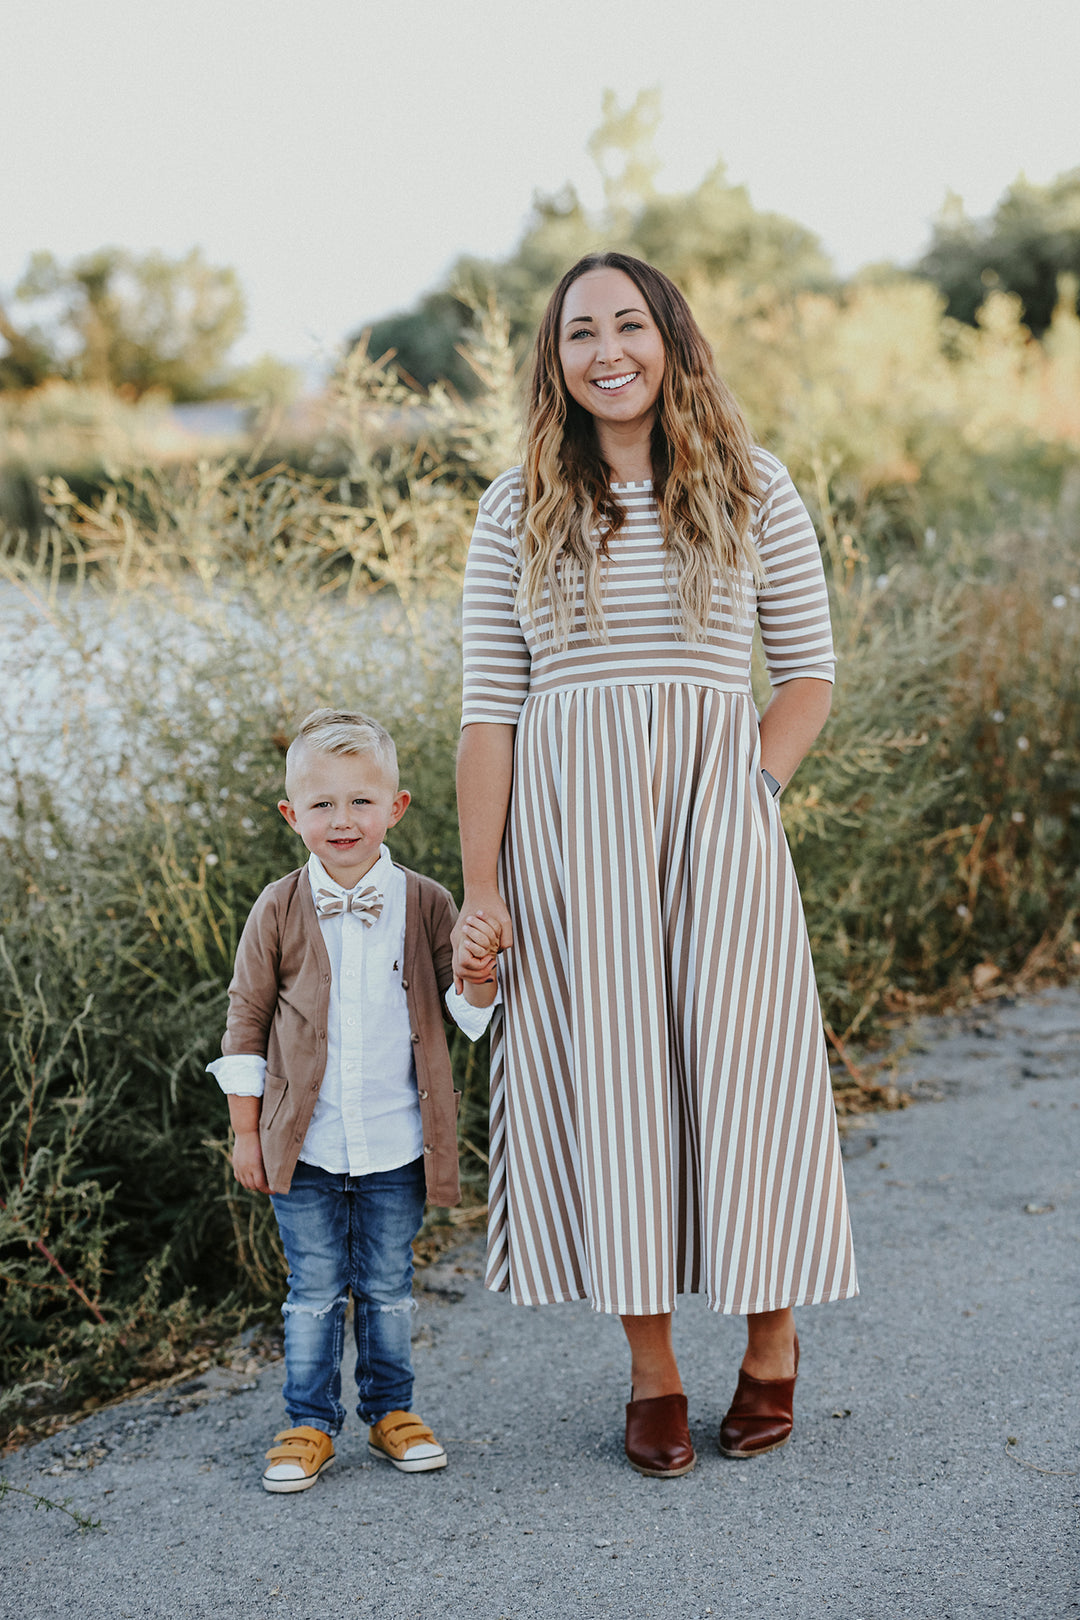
[658, 1437]
[760, 1418]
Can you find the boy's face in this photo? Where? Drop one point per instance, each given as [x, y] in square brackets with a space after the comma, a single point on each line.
[342, 805]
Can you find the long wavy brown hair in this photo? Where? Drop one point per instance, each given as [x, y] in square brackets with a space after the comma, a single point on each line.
[704, 480]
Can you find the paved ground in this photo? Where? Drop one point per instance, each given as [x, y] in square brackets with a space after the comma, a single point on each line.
[935, 1470]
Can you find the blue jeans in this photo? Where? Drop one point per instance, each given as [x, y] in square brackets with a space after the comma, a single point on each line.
[344, 1232]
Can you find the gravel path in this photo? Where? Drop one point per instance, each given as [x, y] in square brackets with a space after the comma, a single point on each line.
[935, 1469]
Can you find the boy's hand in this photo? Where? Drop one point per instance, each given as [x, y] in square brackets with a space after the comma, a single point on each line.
[486, 906]
[247, 1162]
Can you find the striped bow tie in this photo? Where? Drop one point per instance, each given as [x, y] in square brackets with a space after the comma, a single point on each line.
[367, 904]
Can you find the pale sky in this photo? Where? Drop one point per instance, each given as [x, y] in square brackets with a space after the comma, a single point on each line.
[341, 153]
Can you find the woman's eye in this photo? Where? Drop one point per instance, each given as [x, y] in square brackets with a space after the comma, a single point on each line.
[631, 326]
[582, 331]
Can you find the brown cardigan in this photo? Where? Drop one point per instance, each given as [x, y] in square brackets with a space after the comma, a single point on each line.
[279, 1001]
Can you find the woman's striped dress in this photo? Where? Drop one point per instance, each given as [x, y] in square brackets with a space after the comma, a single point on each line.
[661, 1115]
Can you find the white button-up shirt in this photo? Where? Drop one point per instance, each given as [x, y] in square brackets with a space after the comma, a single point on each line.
[367, 1116]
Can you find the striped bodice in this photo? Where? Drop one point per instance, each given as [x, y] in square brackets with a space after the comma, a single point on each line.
[506, 660]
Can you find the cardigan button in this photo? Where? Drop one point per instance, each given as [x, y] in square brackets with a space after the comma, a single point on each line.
[404, 984]
[326, 978]
[415, 1037]
[428, 1148]
[422, 1095]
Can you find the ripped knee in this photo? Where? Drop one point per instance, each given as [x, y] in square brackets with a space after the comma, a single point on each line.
[399, 1307]
[297, 1308]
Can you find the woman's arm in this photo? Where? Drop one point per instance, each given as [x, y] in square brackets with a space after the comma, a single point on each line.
[485, 772]
[792, 720]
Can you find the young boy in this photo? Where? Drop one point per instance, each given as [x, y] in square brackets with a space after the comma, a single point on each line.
[340, 1091]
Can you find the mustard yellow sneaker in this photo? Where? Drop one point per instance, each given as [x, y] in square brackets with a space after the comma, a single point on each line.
[407, 1442]
[297, 1460]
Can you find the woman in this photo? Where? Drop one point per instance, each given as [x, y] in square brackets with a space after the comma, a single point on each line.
[662, 1119]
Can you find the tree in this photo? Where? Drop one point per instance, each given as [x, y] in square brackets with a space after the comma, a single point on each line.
[1031, 240]
[115, 320]
[713, 233]
[28, 361]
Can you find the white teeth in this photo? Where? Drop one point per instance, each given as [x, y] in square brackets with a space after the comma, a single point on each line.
[610, 384]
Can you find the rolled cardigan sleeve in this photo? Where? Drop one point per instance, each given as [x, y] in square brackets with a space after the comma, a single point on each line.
[793, 608]
[495, 654]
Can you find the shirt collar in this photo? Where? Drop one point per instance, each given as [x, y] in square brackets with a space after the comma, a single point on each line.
[379, 874]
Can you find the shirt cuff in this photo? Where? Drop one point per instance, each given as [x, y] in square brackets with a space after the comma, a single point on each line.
[473, 1020]
[240, 1074]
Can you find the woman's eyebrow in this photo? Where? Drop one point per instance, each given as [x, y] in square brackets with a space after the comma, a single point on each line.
[579, 320]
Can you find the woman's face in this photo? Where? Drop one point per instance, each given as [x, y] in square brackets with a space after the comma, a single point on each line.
[611, 351]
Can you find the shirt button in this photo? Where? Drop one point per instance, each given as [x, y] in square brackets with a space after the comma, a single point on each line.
[421, 1095]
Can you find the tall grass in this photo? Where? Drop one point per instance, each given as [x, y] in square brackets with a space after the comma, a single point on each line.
[161, 644]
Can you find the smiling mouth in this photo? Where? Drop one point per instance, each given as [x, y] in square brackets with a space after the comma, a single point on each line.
[611, 385]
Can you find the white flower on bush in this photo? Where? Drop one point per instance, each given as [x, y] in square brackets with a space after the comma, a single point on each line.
[997, 717]
[882, 582]
[1074, 592]
[1023, 744]
[211, 859]
[1018, 816]
[962, 911]
[247, 824]
[1059, 601]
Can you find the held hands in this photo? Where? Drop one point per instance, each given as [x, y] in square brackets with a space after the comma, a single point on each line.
[480, 933]
[247, 1162]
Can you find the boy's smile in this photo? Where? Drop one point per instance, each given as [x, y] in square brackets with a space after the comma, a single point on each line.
[342, 806]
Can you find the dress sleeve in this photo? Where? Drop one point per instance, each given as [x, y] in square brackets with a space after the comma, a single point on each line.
[494, 651]
[793, 607]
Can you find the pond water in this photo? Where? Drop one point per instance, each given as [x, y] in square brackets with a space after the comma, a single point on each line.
[97, 687]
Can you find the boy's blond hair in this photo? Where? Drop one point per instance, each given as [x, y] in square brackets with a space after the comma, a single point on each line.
[340, 731]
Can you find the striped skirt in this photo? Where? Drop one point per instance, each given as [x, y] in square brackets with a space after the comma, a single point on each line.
[661, 1114]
